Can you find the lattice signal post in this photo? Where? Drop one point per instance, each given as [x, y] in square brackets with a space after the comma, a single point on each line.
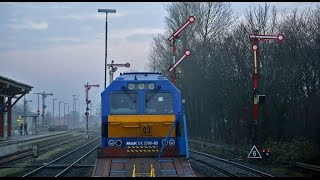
[172, 40]
[44, 95]
[255, 38]
[88, 87]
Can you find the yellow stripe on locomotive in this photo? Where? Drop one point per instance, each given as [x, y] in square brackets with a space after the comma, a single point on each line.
[122, 126]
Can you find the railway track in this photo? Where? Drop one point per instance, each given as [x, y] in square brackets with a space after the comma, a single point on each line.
[29, 153]
[69, 159]
[226, 167]
[47, 146]
[73, 165]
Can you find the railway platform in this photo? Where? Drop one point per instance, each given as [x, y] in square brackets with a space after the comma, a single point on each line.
[18, 137]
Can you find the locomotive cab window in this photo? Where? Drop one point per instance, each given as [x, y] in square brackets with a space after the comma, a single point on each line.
[123, 103]
[159, 103]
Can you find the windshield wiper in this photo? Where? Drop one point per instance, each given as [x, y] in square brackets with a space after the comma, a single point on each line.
[152, 96]
[130, 97]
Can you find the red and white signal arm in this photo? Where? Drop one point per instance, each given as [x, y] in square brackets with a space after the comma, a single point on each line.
[278, 37]
[186, 53]
[190, 20]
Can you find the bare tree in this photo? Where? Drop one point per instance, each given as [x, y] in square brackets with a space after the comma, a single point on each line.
[216, 79]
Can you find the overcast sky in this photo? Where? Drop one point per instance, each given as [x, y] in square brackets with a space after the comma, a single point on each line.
[58, 47]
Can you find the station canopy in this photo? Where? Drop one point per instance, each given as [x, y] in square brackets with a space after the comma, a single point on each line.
[11, 88]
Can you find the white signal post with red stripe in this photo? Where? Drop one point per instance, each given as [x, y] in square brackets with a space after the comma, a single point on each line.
[256, 38]
[172, 40]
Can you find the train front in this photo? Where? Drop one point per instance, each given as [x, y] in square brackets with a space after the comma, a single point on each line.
[141, 117]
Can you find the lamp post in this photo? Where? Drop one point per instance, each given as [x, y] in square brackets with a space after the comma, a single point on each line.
[74, 111]
[53, 111]
[105, 65]
[68, 118]
[64, 113]
[80, 112]
[59, 112]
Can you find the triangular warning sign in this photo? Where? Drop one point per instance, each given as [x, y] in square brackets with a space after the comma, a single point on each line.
[254, 153]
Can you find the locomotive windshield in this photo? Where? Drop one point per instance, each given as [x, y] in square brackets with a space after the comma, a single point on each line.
[123, 103]
[159, 103]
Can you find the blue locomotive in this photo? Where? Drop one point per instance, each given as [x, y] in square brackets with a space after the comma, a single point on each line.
[142, 116]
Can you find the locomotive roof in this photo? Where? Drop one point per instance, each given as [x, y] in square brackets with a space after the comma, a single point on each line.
[141, 76]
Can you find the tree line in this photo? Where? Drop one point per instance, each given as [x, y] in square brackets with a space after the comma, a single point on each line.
[217, 79]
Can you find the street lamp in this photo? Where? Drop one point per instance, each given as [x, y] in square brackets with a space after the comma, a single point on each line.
[73, 109]
[53, 111]
[75, 112]
[59, 112]
[64, 113]
[68, 118]
[105, 65]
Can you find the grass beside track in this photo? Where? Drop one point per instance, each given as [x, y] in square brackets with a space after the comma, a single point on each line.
[43, 157]
[277, 169]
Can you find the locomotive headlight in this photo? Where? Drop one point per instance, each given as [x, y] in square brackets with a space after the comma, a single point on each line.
[164, 142]
[140, 86]
[118, 142]
[111, 143]
[172, 142]
[151, 86]
[130, 86]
